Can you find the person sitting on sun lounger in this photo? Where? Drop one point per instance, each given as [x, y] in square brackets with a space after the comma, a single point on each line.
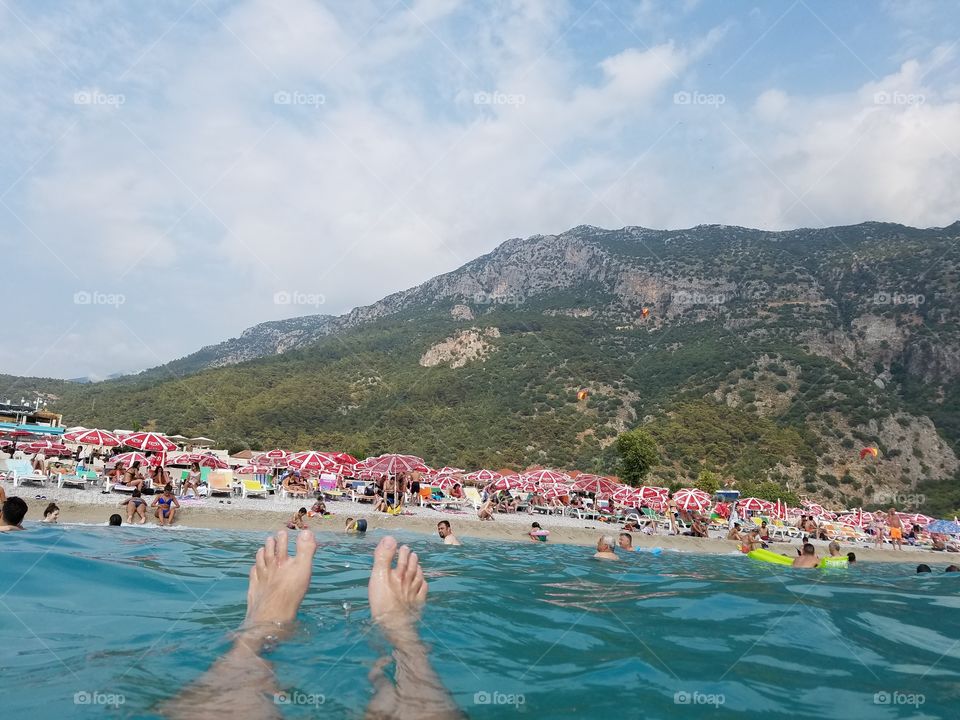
[131, 476]
[294, 484]
[192, 481]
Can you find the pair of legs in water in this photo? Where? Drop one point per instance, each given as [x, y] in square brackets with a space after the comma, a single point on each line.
[278, 583]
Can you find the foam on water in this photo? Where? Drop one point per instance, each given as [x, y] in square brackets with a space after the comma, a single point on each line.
[529, 629]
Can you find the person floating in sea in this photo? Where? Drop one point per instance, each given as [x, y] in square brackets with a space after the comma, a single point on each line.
[166, 506]
[537, 533]
[278, 584]
[12, 512]
[446, 533]
[896, 529]
[136, 506]
[807, 558]
[51, 514]
[605, 549]
[625, 541]
[115, 521]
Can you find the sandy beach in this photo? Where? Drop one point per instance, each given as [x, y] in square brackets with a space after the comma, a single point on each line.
[93, 507]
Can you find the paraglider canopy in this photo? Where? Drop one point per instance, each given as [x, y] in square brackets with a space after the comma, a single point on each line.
[645, 312]
[869, 451]
[582, 395]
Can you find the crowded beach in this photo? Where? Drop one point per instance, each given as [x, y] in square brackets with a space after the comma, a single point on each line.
[138, 478]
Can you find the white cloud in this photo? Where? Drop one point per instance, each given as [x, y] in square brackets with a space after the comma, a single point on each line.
[200, 198]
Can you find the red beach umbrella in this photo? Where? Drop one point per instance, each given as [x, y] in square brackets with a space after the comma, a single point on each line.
[344, 458]
[754, 505]
[129, 458]
[650, 492]
[449, 471]
[149, 441]
[310, 460]
[48, 447]
[547, 476]
[393, 464]
[202, 459]
[482, 477]
[596, 485]
[100, 438]
[691, 499]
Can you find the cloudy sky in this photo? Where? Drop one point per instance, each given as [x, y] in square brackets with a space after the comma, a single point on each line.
[176, 171]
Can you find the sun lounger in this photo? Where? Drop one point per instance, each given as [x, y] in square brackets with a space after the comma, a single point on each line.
[220, 482]
[22, 473]
[473, 497]
[72, 480]
[252, 488]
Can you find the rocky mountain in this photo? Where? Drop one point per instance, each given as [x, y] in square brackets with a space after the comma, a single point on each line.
[801, 347]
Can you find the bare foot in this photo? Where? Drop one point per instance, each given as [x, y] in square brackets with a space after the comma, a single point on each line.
[278, 582]
[398, 594]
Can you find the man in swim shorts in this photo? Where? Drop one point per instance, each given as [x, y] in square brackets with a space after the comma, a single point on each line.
[896, 529]
[12, 512]
[278, 584]
[807, 558]
[445, 532]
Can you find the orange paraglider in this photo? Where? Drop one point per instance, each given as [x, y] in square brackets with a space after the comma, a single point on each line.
[582, 395]
[869, 451]
[645, 312]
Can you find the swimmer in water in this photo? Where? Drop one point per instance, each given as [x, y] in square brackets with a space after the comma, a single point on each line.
[605, 550]
[278, 584]
[807, 558]
[12, 512]
[625, 541]
[445, 532]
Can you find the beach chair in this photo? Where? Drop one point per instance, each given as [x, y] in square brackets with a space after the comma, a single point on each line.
[23, 473]
[252, 488]
[220, 482]
[75, 480]
[473, 497]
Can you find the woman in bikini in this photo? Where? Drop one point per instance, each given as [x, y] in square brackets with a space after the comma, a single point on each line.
[131, 476]
[136, 506]
[166, 506]
[192, 481]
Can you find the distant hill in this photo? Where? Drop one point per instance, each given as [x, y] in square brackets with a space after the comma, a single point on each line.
[761, 355]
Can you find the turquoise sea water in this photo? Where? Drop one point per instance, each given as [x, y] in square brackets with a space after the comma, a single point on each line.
[106, 622]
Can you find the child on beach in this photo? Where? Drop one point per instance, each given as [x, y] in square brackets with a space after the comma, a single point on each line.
[296, 522]
[319, 508]
[136, 505]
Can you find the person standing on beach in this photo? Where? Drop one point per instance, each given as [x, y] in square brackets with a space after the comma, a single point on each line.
[896, 529]
[12, 512]
[446, 533]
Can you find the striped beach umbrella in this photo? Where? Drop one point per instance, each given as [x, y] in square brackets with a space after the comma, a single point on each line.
[99, 438]
[547, 476]
[392, 464]
[753, 504]
[149, 441]
[311, 460]
[129, 458]
[596, 485]
[482, 477]
[692, 499]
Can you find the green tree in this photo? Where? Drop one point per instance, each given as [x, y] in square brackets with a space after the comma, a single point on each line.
[638, 453]
[708, 481]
